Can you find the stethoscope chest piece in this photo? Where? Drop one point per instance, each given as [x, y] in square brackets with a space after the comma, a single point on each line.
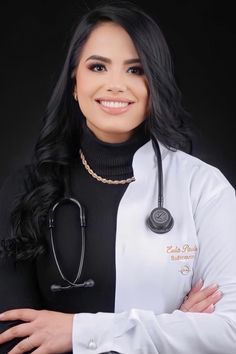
[160, 220]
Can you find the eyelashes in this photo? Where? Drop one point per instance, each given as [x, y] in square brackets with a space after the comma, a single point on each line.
[137, 70]
[97, 67]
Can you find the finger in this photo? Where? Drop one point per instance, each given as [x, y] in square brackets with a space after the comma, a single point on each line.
[200, 296]
[204, 304]
[24, 346]
[197, 287]
[19, 331]
[41, 350]
[209, 309]
[183, 308]
[19, 314]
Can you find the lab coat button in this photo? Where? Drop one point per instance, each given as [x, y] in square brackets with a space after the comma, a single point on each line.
[185, 269]
[92, 344]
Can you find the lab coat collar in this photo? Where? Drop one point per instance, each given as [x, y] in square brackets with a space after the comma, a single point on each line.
[144, 161]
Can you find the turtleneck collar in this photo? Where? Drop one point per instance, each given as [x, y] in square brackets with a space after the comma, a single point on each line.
[111, 160]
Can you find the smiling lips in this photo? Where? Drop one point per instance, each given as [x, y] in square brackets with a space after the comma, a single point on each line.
[114, 105]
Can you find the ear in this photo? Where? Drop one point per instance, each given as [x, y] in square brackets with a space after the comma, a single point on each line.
[73, 75]
[75, 94]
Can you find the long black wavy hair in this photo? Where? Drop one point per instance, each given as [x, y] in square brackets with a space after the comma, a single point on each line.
[59, 137]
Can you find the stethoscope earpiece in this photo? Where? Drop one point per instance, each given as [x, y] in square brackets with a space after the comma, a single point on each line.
[160, 220]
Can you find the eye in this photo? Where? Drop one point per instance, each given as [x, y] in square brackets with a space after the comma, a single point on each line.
[97, 67]
[136, 70]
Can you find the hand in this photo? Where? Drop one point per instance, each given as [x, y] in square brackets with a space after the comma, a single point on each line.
[47, 332]
[201, 300]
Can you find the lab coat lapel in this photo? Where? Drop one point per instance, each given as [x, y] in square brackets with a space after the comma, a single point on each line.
[135, 243]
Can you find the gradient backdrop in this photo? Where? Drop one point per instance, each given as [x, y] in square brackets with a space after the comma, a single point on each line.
[201, 36]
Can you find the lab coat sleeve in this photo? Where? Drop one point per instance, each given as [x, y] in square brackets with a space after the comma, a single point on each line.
[143, 332]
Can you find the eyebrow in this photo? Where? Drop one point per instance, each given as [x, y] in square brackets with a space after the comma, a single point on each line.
[107, 60]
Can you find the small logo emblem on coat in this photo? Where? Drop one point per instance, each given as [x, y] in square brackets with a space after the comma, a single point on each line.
[185, 269]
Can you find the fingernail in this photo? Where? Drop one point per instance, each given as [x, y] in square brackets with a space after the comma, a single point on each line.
[218, 293]
[199, 282]
[2, 315]
[213, 286]
[211, 307]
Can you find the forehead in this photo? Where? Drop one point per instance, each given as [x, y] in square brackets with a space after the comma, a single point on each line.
[109, 39]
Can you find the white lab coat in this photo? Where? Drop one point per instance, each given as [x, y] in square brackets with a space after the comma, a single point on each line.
[155, 271]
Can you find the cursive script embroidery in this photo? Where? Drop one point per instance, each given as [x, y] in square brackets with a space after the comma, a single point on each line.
[184, 249]
[181, 253]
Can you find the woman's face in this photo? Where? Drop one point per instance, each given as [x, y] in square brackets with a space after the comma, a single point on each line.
[111, 88]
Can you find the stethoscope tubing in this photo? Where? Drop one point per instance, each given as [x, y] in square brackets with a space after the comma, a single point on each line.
[82, 224]
[160, 221]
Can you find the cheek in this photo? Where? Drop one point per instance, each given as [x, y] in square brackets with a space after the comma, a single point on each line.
[85, 99]
[144, 100]
[83, 90]
[83, 85]
[143, 91]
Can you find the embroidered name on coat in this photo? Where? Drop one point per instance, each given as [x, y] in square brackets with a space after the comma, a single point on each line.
[181, 252]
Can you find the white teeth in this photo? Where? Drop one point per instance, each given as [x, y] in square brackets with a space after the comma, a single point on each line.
[114, 104]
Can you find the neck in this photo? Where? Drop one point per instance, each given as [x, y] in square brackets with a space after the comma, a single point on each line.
[110, 137]
[111, 160]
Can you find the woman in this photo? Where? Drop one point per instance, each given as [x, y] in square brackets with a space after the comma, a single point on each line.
[115, 102]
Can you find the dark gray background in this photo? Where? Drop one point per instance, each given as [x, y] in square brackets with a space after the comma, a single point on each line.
[201, 35]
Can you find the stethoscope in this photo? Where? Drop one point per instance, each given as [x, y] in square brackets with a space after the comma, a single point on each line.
[160, 221]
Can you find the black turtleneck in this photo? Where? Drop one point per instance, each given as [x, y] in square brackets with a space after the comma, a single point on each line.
[109, 160]
[29, 284]
[101, 201]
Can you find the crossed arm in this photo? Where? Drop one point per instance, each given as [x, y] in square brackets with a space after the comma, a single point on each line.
[49, 332]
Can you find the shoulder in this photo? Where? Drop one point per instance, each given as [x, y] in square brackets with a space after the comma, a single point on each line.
[200, 185]
[203, 182]
[177, 163]
[197, 170]
[188, 173]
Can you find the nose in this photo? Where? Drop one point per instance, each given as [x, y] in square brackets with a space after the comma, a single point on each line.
[116, 83]
[115, 89]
